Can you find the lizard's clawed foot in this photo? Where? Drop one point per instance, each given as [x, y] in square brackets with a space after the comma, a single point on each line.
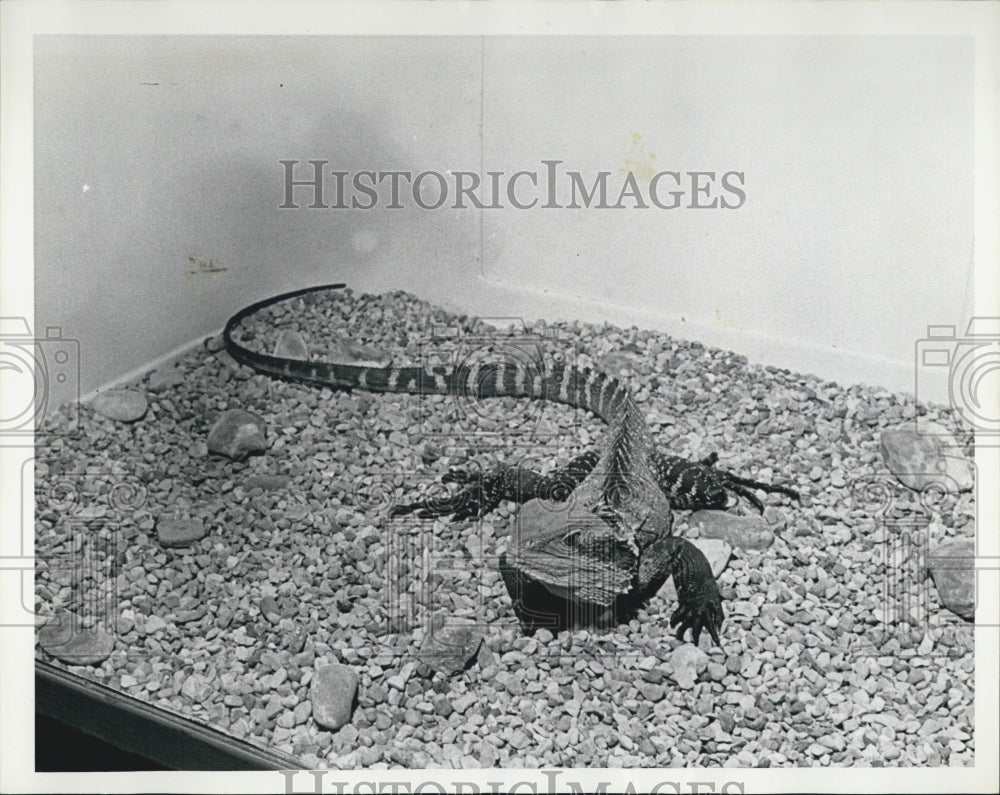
[699, 615]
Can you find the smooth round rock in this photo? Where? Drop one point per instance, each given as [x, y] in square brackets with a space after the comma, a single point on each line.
[67, 640]
[743, 532]
[121, 405]
[236, 434]
[952, 566]
[332, 693]
[180, 532]
[929, 458]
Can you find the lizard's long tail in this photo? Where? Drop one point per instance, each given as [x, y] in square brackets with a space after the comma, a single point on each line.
[585, 388]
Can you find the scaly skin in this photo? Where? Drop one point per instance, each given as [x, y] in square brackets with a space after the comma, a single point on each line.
[592, 558]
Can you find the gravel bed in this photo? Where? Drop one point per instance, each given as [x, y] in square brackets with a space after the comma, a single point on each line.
[227, 585]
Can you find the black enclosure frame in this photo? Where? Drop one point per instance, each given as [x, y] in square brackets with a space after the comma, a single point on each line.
[145, 730]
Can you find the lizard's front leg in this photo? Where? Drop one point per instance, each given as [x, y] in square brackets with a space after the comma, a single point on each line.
[481, 494]
[700, 602]
[696, 485]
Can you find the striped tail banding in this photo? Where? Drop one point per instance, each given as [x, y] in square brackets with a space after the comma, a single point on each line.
[584, 388]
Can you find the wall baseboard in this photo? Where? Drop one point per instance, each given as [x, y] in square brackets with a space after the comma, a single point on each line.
[167, 359]
[829, 363]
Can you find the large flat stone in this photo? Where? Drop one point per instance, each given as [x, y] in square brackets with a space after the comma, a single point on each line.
[332, 692]
[121, 405]
[744, 532]
[180, 532]
[65, 638]
[236, 434]
[931, 457]
[952, 567]
[451, 649]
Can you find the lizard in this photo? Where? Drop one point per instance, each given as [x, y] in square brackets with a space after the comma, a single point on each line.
[592, 540]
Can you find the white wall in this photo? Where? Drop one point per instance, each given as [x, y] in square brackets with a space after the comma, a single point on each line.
[856, 234]
[857, 231]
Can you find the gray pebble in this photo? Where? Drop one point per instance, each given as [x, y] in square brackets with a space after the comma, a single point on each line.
[66, 639]
[302, 712]
[926, 458]
[268, 482]
[155, 624]
[451, 649]
[165, 378]
[196, 688]
[180, 532]
[652, 693]
[121, 405]
[236, 434]
[291, 345]
[332, 693]
[686, 663]
[952, 566]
